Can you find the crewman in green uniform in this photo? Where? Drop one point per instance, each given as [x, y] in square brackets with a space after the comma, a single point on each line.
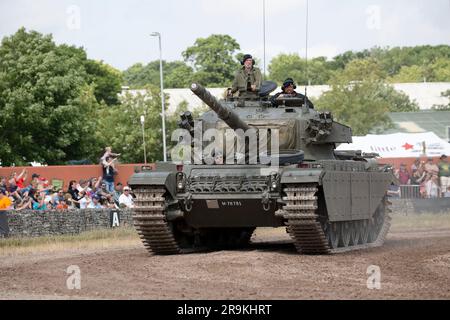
[247, 80]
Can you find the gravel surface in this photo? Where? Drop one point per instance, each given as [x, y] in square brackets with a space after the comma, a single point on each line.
[413, 265]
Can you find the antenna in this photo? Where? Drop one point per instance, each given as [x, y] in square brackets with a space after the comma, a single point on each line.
[307, 25]
[264, 38]
[305, 105]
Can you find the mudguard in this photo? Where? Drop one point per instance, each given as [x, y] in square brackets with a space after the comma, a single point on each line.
[159, 177]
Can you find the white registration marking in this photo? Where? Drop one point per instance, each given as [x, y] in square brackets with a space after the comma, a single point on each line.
[231, 204]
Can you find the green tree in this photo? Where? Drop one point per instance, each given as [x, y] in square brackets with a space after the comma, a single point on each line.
[360, 98]
[213, 60]
[292, 66]
[107, 81]
[393, 60]
[441, 70]
[46, 102]
[409, 74]
[177, 74]
[119, 126]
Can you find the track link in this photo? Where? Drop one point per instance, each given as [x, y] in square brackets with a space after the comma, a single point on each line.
[307, 232]
[150, 223]
[302, 221]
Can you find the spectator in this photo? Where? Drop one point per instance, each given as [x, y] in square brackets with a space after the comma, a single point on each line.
[95, 203]
[108, 153]
[432, 187]
[3, 183]
[5, 201]
[419, 175]
[444, 173]
[72, 190]
[19, 180]
[117, 192]
[431, 168]
[82, 185]
[126, 199]
[109, 171]
[26, 203]
[57, 197]
[13, 189]
[93, 185]
[62, 205]
[84, 199]
[35, 177]
[415, 166]
[109, 202]
[71, 203]
[403, 175]
[40, 203]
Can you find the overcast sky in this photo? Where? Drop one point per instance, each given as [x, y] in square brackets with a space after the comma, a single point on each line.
[117, 32]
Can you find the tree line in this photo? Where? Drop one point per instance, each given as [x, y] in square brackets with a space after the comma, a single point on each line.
[213, 61]
[58, 105]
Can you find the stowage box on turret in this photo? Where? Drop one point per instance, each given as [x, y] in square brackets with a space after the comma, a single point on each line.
[329, 201]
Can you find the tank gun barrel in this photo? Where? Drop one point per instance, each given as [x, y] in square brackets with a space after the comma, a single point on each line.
[224, 113]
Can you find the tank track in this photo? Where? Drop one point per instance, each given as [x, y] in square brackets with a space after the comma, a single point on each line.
[312, 235]
[150, 222]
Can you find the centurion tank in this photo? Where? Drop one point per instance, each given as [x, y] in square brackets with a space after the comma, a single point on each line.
[329, 201]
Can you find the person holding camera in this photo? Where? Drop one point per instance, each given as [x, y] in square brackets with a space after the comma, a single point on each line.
[247, 80]
[109, 171]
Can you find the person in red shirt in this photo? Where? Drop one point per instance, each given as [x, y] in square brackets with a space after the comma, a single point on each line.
[20, 179]
[403, 175]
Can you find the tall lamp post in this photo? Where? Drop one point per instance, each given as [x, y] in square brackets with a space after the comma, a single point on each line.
[143, 138]
[157, 34]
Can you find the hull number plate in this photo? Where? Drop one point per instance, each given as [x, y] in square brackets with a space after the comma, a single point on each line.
[231, 203]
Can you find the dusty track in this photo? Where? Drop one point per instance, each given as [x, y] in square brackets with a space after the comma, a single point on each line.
[414, 265]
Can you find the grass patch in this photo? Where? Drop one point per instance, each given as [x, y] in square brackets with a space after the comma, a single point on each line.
[103, 238]
[420, 222]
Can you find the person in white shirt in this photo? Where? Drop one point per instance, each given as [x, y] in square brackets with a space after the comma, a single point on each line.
[432, 187]
[126, 198]
[84, 200]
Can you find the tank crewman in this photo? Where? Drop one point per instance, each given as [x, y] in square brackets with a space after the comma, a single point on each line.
[288, 90]
[247, 80]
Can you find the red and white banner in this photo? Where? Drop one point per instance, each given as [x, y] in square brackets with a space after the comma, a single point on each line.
[400, 145]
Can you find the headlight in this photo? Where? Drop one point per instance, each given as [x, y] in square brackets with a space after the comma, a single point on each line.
[180, 181]
[274, 181]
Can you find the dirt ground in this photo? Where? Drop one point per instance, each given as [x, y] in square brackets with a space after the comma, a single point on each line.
[414, 264]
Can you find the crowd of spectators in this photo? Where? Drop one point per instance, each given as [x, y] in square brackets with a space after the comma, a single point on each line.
[93, 193]
[432, 180]
[39, 194]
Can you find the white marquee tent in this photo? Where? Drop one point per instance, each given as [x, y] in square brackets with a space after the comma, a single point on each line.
[400, 145]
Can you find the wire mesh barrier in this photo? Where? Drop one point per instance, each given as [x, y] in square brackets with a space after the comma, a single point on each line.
[410, 192]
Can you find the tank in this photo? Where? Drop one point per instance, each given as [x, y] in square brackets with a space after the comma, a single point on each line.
[328, 201]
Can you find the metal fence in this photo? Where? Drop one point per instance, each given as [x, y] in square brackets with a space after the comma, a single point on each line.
[410, 191]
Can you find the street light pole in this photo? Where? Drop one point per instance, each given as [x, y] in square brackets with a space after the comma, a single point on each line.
[143, 138]
[163, 107]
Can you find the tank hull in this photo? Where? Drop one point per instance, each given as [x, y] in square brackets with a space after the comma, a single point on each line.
[331, 206]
